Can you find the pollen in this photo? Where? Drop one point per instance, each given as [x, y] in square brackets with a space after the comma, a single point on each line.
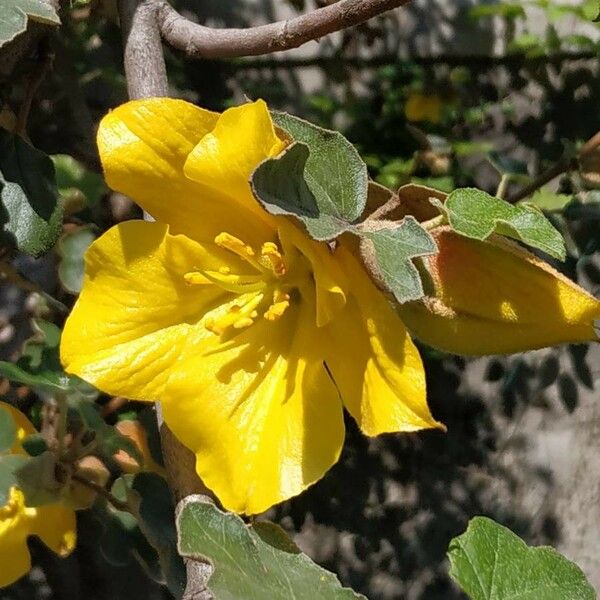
[239, 315]
[281, 302]
[235, 245]
[272, 257]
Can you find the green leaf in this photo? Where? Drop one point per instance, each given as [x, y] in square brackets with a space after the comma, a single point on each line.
[8, 431]
[30, 210]
[393, 246]
[36, 479]
[251, 562]
[14, 15]
[157, 523]
[544, 199]
[71, 248]
[320, 179]
[39, 365]
[74, 179]
[475, 214]
[152, 536]
[490, 562]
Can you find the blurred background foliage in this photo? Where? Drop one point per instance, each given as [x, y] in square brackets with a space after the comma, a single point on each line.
[446, 94]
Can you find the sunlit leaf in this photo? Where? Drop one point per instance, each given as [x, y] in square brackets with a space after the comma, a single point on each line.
[393, 247]
[475, 214]
[490, 562]
[320, 179]
[251, 562]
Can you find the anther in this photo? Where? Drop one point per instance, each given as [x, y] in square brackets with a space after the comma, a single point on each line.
[275, 261]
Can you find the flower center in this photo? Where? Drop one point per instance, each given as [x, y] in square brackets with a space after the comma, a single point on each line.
[264, 293]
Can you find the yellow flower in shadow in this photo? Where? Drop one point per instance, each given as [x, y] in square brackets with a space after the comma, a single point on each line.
[54, 524]
[495, 297]
[252, 335]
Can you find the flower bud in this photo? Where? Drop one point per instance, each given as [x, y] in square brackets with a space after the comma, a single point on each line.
[493, 297]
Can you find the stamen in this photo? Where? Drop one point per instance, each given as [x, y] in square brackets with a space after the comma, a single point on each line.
[237, 284]
[281, 302]
[238, 247]
[237, 316]
[275, 261]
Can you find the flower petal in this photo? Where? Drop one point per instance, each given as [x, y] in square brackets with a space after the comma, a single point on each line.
[494, 297]
[328, 279]
[136, 311]
[374, 363]
[56, 526]
[24, 426]
[225, 158]
[143, 146]
[14, 558]
[261, 414]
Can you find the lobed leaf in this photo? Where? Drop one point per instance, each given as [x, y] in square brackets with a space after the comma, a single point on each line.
[320, 179]
[490, 562]
[15, 14]
[251, 562]
[475, 214]
[393, 248]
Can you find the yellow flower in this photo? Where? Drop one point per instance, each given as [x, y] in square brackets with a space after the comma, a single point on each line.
[54, 524]
[494, 297]
[252, 335]
[423, 107]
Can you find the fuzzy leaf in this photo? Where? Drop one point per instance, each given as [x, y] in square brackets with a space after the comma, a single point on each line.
[475, 214]
[14, 15]
[251, 562]
[320, 179]
[394, 247]
[30, 209]
[39, 366]
[9, 465]
[490, 562]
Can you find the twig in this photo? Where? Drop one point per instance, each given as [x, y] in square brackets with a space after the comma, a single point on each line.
[563, 165]
[101, 491]
[198, 41]
[11, 275]
[503, 186]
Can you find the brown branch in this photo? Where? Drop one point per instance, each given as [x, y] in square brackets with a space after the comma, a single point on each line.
[563, 165]
[198, 41]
